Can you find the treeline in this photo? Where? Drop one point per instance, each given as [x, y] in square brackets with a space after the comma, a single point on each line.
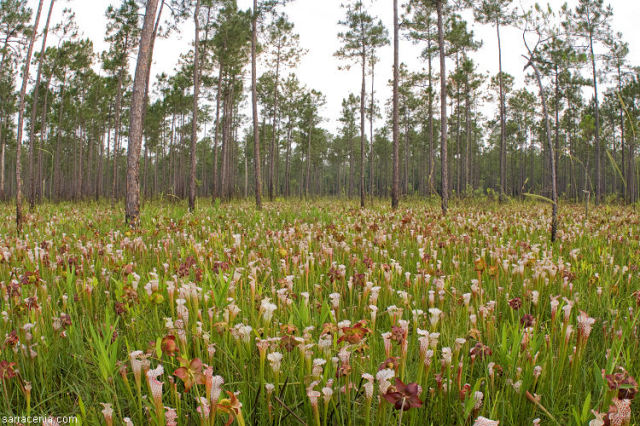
[72, 113]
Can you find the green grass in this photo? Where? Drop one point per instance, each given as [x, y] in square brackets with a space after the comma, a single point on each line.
[93, 291]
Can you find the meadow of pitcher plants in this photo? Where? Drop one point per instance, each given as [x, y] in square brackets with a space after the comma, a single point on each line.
[322, 314]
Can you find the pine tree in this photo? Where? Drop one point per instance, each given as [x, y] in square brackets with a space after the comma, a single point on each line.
[499, 13]
[362, 36]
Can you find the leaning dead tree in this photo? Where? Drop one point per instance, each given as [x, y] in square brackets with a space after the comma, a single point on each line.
[532, 60]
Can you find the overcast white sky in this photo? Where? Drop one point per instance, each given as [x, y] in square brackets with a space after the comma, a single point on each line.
[317, 23]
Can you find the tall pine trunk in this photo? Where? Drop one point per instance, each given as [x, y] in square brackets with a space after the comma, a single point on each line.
[2, 121]
[622, 139]
[554, 177]
[363, 94]
[225, 146]
[57, 175]
[216, 135]
[287, 166]
[503, 130]
[34, 112]
[23, 92]
[273, 152]
[2, 160]
[116, 140]
[371, 116]
[132, 205]
[309, 157]
[467, 148]
[557, 118]
[631, 174]
[443, 113]
[395, 188]
[43, 134]
[254, 105]
[99, 170]
[458, 157]
[597, 114]
[431, 128]
[194, 122]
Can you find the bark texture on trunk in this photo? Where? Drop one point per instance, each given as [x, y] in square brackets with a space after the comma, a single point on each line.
[132, 205]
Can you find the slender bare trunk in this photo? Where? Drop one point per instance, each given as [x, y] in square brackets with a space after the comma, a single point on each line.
[405, 165]
[309, 157]
[2, 119]
[431, 129]
[34, 112]
[556, 151]
[144, 171]
[57, 181]
[395, 188]
[43, 134]
[554, 177]
[254, 105]
[458, 157]
[301, 190]
[23, 92]
[503, 130]
[632, 175]
[194, 122]
[227, 139]
[363, 94]
[79, 180]
[116, 140]
[287, 171]
[467, 140]
[371, 116]
[351, 165]
[597, 117]
[273, 151]
[622, 139]
[100, 154]
[443, 112]
[2, 153]
[216, 134]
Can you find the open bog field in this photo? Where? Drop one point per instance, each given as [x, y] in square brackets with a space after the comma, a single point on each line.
[319, 313]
